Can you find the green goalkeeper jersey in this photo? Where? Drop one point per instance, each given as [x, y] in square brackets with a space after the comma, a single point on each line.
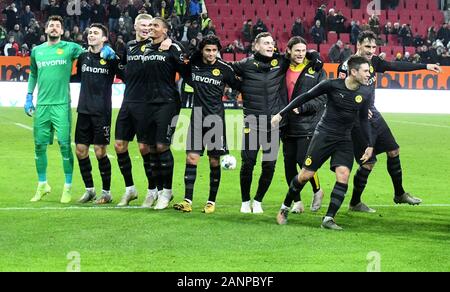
[51, 68]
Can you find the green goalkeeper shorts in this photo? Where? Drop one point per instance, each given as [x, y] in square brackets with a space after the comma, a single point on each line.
[51, 118]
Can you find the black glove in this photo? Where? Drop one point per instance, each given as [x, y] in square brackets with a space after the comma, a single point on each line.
[315, 59]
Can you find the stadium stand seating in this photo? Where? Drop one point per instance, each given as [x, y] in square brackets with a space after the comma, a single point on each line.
[279, 16]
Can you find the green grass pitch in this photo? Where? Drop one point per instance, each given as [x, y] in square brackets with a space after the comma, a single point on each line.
[40, 236]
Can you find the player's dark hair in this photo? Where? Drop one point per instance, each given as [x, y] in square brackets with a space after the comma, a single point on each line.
[366, 35]
[164, 21]
[210, 40]
[355, 62]
[55, 18]
[295, 41]
[100, 26]
[262, 35]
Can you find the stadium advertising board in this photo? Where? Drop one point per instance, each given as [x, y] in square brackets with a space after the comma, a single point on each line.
[394, 80]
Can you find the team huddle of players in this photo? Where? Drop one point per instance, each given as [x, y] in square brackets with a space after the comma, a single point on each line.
[285, 96]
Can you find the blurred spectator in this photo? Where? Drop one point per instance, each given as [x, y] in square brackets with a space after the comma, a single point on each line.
[54, 9]
[75, 32]
[123, 30]
[11, 16]
[335, 52]
[235, 47]
[317, 32]
[297, 28]
[180, 7]
[11, 48]
[32, 36]
[85, 15]
[374, 24]
[340, 22]
[205, 21]
[3, 35]
[259, 27]
[131, 10]
[183, 33]
[388, 28]
[396, 28]
[194, 30]
[405, 34]
[407, 57]
[67, 37]
[24, 51]
[19, 74]
[98, 12]
[192, 47]
[210, 29]
[195, 9]
[418, 41]
[445, 58]
[120, 46]
[443, 34]
[114, 15]
[331, 20]
[432, 34]
[247, 31]
[416, 59]
[163, 11]
[175, 21]
[26, 17]
[17, 33]
[354, 32]
[321, 15]
[398, 57]
[447, 15]
[149, 8]
[346, 53]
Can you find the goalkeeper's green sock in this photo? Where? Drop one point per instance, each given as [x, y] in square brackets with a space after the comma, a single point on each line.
[67, 156]
[40, 151]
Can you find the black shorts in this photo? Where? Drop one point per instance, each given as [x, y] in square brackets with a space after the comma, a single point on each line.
[295, 148]
[162, 121]
[325, 145]
[93, 129]
[132, 120]
[382, 139]
[207, 133]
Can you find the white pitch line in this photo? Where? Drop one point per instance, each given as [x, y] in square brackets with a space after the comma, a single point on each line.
[421, 124]
[73, 144]
[76, 208]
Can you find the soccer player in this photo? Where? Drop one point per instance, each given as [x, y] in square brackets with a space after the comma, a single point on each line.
[164, 106]
[348, 101]
[382, 137]
[262, 75]
[94, 112]
[50, 69]
[301, 122]
[208, 77]
[135, 112]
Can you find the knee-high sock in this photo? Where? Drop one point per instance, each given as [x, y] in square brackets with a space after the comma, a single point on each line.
[148, 171]
[315, 183]
[86, 172]
[40, 151]
[268, 169]
[166, 159]
[104, 165]
[246, 176]
[214, 182]
[294, 191]
[337, 197]
[67, 157]
[155, 166]
[395, 171]
[125, 168]
[359, 184]
[190, 174]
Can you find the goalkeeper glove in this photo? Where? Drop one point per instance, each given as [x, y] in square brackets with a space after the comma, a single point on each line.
[29, 107]
[316, 61]
[107, 53]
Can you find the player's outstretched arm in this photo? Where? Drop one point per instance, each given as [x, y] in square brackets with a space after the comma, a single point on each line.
[321, 88]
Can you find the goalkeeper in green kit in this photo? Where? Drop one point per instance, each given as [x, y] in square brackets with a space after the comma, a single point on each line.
[50, 68]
